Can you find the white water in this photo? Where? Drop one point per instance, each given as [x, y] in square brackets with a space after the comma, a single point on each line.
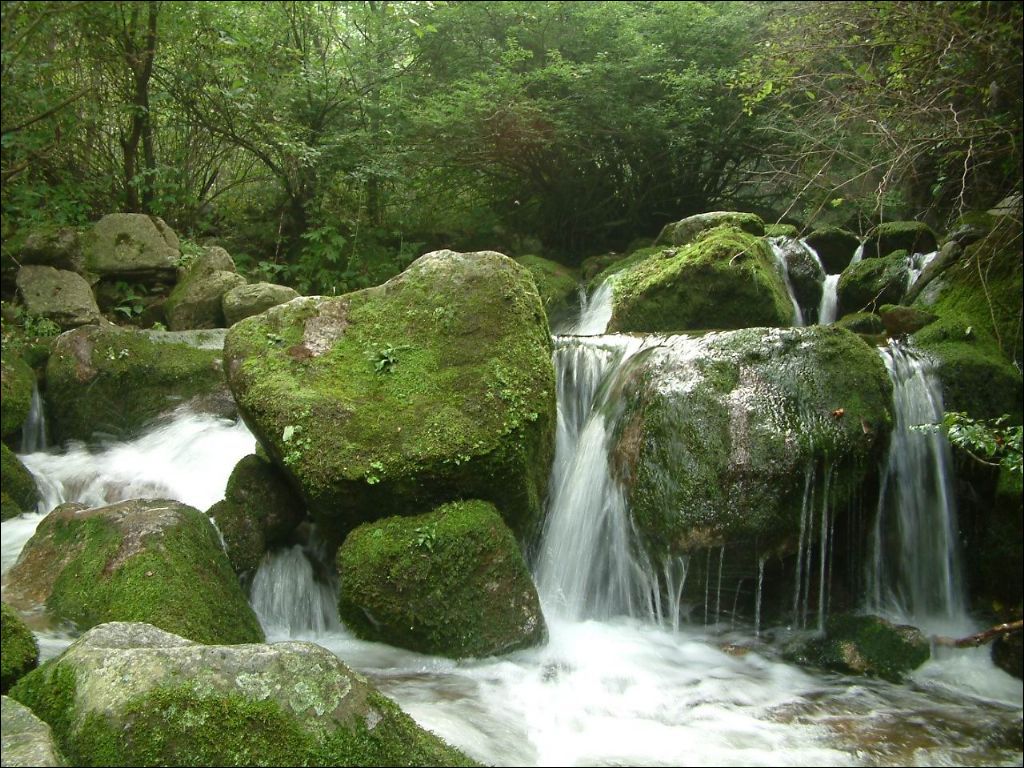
[33, 431]
[783, 266]
[608, 691]
[916, 264]
[914, 573]
[595, 311]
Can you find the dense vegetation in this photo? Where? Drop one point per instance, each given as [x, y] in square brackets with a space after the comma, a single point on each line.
[326, 144]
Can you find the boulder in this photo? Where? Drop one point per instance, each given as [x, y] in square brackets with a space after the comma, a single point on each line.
[131, 246]
[557, 284]
[872, 283]
[686, 231]
[436, 386]
[805, 276]
[58, 295]
[198, 301]
[890, 236]
[721, 434]
[151, 560]
[59, 248]
[20, 493]
[866, 645]
[725, 279]
[247, 300]
[16, 382]
[901, 321]
[116, 380]
[20, 650]
[259, 511]
[834, 246]
[864, 323]
[451, 582]
[132, 694]
[27, 740]
[781, 230]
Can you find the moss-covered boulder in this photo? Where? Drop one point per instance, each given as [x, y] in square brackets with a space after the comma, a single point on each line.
[131, 694]
[60, 248]
[806, 275]
[198, 300]
[722, 433]
[864, 323]
[873, 282]
[686, 231]
[16, 382]
[890, 236]
[259, 511]
[27, 740]
[902, 321]
[19, 487]
[592, 266]
[451, 582]
[1001, 546]
[978, 332]
[436, 386]
[131, 246]
[62, 297]
[835, 247]
[557, 284]
[157, 561]
[781, 230]
[19, 651]
[116, 380]
[247, 300]
[725, 279]
[866, 645]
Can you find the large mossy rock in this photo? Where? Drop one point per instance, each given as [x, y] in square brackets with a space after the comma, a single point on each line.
[27, 740]
[806, 276]
[20, 493]
[834, 246]
[259, 511]
[435, 386]
[245, 301]
[60, 248]
[451, 582]
[19, 651]
[978, 332]
[16, 383]
[197, 301]
[686, 231]
[866, 645]
[557, 284]
[873, 282]
[720, 432]
[131, 694]
[115, 380]
[57, 295]
[131, 246]
[725, 279]
[890, 236]
[157, 561]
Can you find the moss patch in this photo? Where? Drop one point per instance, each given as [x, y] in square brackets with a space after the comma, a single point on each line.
[18, 484]
[834, 246]
[19, 651]
[451, 582]
[725, 279]
[890, 236]
[873, 282]
[557, 284]
[16, 382]
[157, 561]
[435, 386]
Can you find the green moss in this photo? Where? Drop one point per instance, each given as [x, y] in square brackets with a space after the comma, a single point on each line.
[169, 573]
[835, 247]
[49, 691]
[8, 507]
[978, 333]
[890, 236]
[725, 279]
[872, 283]
[557, 284]
[692, 228]
[16, 382]
[116, 380]
[259, 511]
[866, 323]
[451, 582]
[18, 484]
[781, 230]
[436, 386]
[19, 651]
[867, 645]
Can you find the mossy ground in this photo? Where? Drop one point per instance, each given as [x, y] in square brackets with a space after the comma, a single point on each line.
[450, 582]
[19, 651]
[115, 381]
[177, 579]
[725, 279]
[437, 386]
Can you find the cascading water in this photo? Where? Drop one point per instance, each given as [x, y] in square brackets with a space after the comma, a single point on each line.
[914, 572]
[33, 431]
[778, 252]
[289, 599]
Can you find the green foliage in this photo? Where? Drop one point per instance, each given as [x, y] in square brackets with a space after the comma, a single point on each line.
[129, 299]
[990, 441]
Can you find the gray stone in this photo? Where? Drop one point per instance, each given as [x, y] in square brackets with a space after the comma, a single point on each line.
[131, 245]
[58, 295]
[247, 300]
[27, 740]
[198, 301]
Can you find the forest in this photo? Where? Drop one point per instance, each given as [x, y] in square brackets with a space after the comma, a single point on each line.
[327, 144]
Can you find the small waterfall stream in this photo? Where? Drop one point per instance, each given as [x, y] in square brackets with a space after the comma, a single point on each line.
[625, 679]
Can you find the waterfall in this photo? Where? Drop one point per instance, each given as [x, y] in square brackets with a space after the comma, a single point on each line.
[289, 599]
[779, 253]
[595, 311]
[916, 264]
[914, 571]
[33, 431]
